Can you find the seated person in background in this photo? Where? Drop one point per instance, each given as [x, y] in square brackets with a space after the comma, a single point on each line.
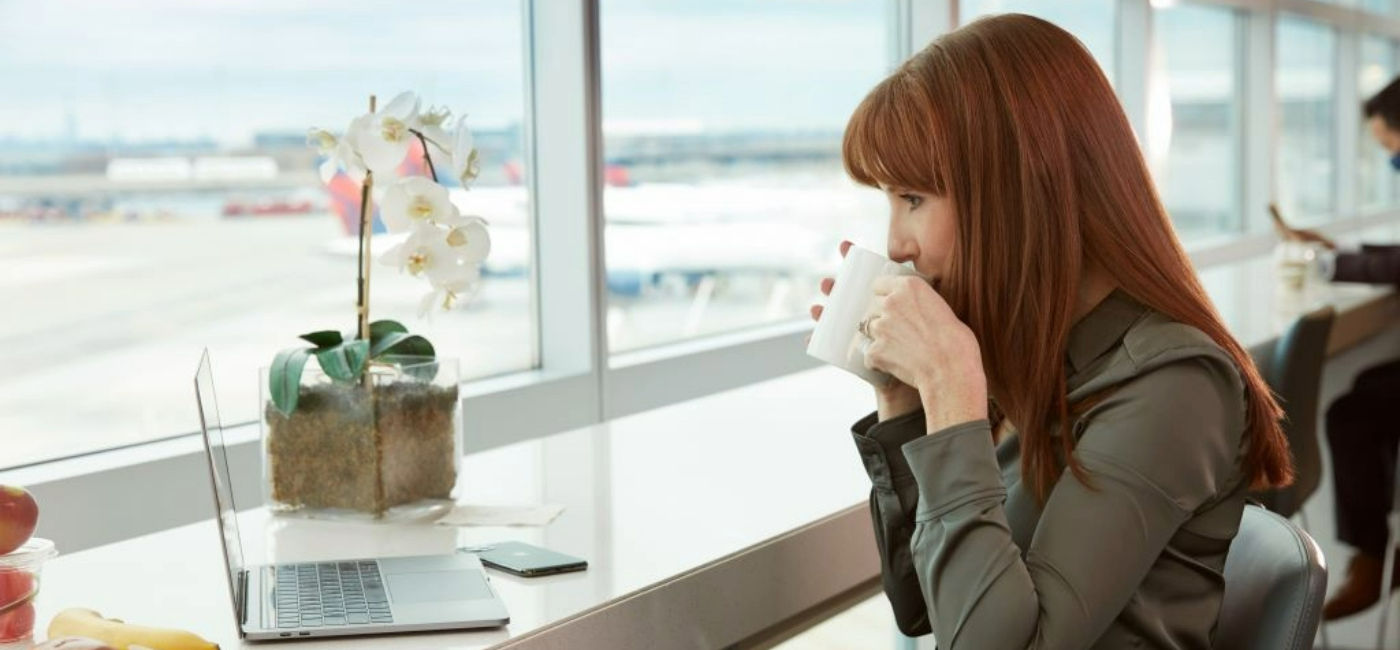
[1362, 430]
[1095, 505]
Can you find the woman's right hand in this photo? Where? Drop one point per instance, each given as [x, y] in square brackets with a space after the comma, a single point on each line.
[895, 398]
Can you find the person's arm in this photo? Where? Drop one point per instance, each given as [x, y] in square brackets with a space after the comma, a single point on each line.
[1375, 265]
[893, 498]
[1157, 449]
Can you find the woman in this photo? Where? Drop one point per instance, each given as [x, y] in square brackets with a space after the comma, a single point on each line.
[1064, 321]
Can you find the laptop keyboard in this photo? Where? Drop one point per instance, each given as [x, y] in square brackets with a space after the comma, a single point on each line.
[330, 593]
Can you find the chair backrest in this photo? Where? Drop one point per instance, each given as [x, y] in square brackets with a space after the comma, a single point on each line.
[1295, 375]
[1275, 579]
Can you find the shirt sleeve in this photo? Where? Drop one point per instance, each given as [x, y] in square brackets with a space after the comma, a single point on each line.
[1371, 264]
[1156, 450]
[893, 498]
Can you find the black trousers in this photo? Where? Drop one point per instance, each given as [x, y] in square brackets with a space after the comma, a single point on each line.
[1363, 429]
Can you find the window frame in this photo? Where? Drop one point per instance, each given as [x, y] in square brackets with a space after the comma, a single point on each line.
[1241, 21]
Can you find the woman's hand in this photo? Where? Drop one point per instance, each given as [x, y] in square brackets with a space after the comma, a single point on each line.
[895, 398]
[916, 338]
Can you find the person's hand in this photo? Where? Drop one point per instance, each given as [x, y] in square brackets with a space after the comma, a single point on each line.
[895, 398]
[1314, 237]
[1298, 234]
[916, 338]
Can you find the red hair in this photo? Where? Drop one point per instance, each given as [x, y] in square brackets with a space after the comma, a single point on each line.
[1011, 118]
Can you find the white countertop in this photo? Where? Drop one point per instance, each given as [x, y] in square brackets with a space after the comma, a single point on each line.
[703, 522]
[648, 499]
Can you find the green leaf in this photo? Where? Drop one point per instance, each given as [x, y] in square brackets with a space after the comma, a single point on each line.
[381, 328]
[323, 338]
[284, 379]
[346, 361]
[399, 343]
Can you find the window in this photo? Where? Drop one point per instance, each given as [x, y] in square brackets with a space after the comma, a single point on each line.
[725, 197]
[1303, 78]
[1378, 6]
[1195, 141]
[1374, 6]
[127, 249]
[1091, 21]
[1373, 172]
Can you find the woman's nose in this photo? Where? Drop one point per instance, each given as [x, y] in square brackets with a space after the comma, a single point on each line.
[900, 250]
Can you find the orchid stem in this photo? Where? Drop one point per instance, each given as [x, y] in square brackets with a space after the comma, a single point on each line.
[364, 258]
[426, 158]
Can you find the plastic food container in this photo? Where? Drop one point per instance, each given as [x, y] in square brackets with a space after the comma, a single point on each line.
[19, 583]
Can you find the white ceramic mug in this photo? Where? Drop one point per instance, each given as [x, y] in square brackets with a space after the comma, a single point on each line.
[837, 339]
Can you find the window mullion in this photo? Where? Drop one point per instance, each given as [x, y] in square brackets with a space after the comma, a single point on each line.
[1261, 130]
[1346, 183]
[564, 187]
[1132, 48]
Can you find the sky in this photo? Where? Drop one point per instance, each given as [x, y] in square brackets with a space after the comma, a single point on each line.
[150, 70]
[226, 69]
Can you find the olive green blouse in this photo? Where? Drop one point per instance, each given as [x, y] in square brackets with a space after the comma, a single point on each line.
[1135, 561]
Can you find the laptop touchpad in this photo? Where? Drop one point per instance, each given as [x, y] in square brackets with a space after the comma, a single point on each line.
[437, 586]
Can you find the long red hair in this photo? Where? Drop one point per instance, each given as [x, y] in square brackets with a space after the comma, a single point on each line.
[1011, 118]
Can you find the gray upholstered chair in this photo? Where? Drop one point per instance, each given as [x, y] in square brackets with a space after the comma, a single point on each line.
[1275, 580]
[1295, 374]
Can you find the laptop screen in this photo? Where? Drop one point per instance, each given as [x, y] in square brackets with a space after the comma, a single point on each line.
[219, 476]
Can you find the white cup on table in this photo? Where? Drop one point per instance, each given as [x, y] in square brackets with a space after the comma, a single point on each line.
[837, 338]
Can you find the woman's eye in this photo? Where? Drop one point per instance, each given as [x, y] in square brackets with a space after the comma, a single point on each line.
[914, 200]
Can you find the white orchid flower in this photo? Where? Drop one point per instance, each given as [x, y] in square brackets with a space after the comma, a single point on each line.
[382, 139]
[437, 142]
[442, 245]
[351, 162]
[338, 154]
[417, 200]
[470, 240]
[465, 163]
[428, 253]
[425, 252]
[432, 124]
[454, 284]
[451, 287]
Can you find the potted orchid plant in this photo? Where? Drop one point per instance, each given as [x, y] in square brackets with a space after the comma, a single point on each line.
[374, 428]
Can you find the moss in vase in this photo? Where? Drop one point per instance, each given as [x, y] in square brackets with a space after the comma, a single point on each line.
[339, 449]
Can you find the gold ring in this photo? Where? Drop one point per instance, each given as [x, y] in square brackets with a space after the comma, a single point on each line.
[864, 327]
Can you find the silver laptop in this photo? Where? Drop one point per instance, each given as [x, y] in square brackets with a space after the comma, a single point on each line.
[346, 597]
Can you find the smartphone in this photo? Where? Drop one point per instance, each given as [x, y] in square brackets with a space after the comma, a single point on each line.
[526, 560]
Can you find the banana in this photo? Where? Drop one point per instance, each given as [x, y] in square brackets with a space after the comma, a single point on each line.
[123, 636]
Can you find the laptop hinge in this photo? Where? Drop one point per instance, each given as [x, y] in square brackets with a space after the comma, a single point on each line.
[242, 598]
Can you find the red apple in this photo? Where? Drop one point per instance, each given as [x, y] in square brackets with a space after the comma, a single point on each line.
[18, 516]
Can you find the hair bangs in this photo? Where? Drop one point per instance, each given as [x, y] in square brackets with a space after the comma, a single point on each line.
[888, 140]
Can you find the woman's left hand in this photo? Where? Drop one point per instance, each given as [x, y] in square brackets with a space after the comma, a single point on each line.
[916, 338]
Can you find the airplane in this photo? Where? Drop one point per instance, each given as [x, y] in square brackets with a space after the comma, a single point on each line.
[656, 232]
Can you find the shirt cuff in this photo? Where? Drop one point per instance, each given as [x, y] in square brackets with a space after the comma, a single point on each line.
[879, 445]
[953, 467]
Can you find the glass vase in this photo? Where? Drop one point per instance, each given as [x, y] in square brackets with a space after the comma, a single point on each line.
[387, 447]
